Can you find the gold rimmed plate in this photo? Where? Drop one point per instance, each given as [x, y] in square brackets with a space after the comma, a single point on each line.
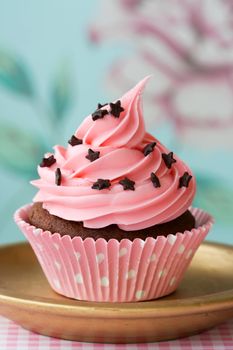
[203, 300]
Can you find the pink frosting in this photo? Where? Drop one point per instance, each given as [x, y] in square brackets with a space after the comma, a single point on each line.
[120, 142]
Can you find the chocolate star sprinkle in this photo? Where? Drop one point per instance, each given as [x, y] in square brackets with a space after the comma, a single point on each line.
[100, 105]
[168, 159]
[116, 109]
[127, 184]
[99, 114]
[74, 141]
[101, 184]
[58, 176]
[149, 148]
[155, 180]
[47, 162]
[184, 180]
[92, 155]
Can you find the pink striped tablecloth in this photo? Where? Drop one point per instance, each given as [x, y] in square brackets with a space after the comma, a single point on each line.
[13, 337]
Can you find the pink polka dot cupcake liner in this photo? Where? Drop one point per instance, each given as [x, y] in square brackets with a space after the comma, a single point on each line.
[113, 271]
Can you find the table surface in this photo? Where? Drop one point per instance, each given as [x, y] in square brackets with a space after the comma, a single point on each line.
[13, 337]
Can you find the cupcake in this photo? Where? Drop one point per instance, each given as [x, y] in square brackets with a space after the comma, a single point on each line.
[112, 218]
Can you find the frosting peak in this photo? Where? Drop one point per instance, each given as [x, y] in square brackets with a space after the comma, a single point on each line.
[126, 131]
[113, 172]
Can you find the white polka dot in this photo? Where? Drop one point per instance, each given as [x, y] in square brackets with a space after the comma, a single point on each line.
[152, 257]
[130, 274]
[171, 239]
[122, 252]
[181, 249]
[39, 246]
[57, 284]
[162, 273]
[172, 281]
[79, 278]
[57, 264]
[142, 243]
[56, 246]
[21, 222]
[189, 254]
[104, 281]
[140, 294]
[78, 255]
[99, 258]
[37, 231]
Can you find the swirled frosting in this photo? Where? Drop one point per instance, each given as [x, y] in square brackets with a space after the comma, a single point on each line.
[121, 141]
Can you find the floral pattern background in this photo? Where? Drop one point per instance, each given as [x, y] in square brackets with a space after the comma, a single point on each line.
[186, 44]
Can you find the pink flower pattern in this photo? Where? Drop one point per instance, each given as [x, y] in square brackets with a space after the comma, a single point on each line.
[188, 46]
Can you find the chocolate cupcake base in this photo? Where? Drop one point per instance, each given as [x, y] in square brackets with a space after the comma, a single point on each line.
[41, 218]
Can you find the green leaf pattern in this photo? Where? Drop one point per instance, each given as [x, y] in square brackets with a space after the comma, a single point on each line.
[14, 75]
[61, 93]
[20, 152]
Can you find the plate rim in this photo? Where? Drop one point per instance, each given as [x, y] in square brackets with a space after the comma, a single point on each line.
[193, 305]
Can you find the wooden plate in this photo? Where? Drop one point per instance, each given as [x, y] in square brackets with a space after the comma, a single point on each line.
[203, 300]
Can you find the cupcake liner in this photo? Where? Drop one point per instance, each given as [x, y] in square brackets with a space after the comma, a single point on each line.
[125, 271]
